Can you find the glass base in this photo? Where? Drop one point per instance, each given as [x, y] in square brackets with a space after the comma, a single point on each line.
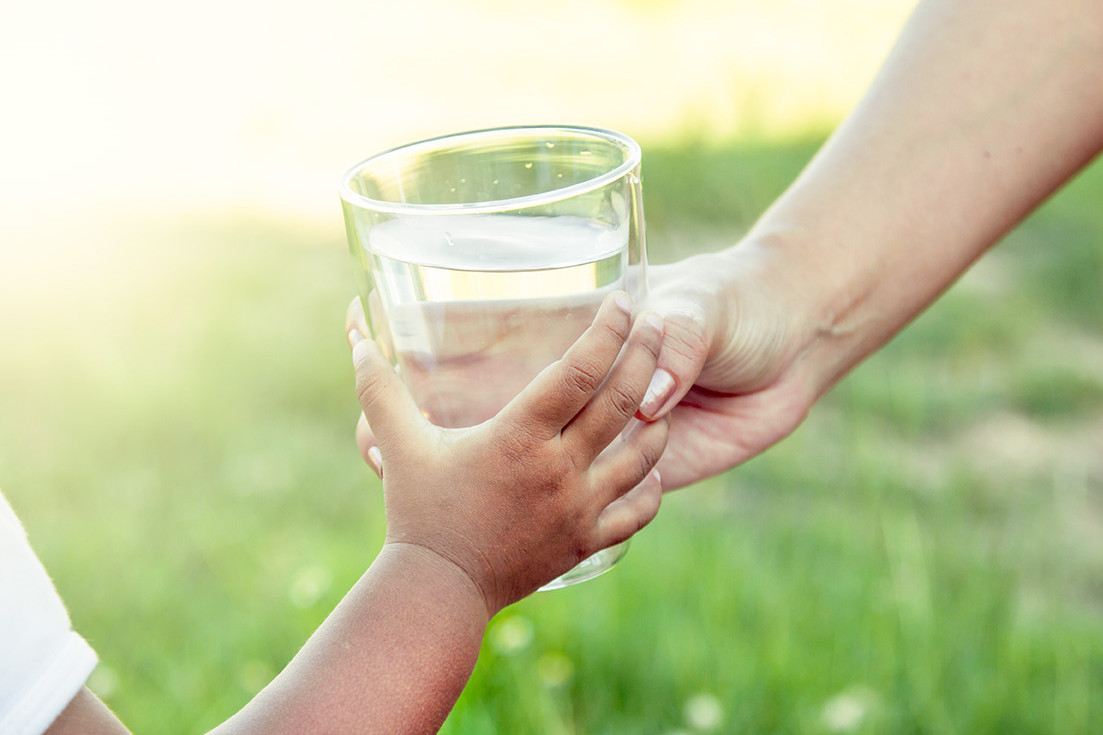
[589, 568]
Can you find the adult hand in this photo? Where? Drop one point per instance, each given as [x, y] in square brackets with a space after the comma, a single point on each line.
[728, 375]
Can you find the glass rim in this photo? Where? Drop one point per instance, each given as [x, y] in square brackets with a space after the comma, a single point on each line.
[621, 140]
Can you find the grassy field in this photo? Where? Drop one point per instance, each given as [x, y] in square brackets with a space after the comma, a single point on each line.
[924, 555]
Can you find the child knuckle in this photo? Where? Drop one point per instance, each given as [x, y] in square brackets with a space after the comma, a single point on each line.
[624, 400]
[369, 389]
[582, 377]
[517, 443]
[653, 348]
[649, 454]
[617, 330]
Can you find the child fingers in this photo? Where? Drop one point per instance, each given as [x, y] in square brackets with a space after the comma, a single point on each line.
[388, 408]
[560, 391]
[368, 446]
[354, 318]
[626, 515]
[618, 399]
[626, 462]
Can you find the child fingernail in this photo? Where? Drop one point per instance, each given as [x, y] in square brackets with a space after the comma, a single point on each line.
[655, 321]
[361, 350]
[624, 301]
[376, 459]
[355, 337]
[658, 391]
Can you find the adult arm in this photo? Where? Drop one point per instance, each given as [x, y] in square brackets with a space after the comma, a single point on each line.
[982, 110]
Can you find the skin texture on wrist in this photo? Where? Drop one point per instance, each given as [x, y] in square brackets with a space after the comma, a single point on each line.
[824, 305]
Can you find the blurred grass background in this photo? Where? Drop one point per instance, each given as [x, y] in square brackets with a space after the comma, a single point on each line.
[924, 555]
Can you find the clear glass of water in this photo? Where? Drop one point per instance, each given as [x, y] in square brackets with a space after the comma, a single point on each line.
[482, 256]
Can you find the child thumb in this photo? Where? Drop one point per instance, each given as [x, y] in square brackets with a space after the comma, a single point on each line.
[386, 402]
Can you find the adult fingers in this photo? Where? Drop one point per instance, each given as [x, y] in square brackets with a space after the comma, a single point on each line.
[387, 405]
[558, 393]
[626, 515]
[618, 399]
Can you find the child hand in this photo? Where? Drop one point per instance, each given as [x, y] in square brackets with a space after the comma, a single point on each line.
[520, 499]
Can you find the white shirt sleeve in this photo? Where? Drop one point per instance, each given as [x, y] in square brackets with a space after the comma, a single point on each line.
[43, 663]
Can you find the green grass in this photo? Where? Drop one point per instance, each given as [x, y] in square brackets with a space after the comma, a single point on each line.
[922, 556]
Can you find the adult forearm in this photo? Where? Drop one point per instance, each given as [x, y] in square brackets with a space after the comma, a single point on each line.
[983, 109]
[391, 658]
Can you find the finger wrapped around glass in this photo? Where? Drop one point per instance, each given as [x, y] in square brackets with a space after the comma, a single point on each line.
[482, 256]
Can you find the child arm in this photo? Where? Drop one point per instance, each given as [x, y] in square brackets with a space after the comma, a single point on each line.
[476, 519]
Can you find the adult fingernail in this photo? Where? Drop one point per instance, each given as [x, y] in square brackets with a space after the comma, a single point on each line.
[624, 301]
[655, 321]
[658, 391]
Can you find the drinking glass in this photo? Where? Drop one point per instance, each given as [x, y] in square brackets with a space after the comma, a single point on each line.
[482, 256]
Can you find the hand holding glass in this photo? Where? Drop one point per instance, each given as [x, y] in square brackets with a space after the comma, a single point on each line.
[482, 256]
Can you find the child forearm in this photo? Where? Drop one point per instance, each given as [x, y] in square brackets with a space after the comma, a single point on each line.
[391, 658]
